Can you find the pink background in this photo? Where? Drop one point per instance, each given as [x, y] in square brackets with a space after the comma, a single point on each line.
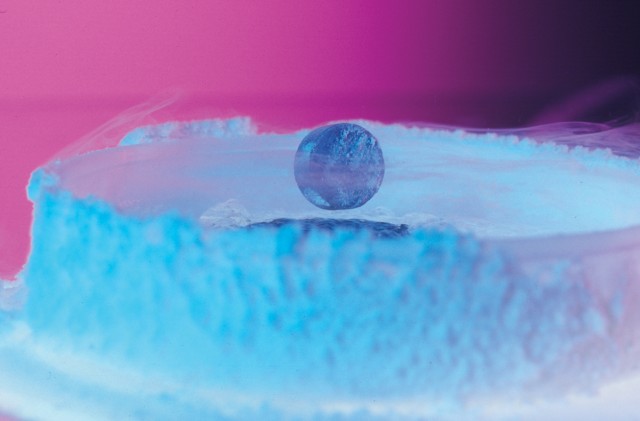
[68, 66]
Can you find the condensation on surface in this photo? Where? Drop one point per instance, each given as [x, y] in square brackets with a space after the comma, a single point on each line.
[519, 278]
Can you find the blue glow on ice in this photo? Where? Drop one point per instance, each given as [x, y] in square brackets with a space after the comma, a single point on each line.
[149, 296]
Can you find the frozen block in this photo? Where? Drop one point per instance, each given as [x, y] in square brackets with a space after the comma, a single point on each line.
[183, 272]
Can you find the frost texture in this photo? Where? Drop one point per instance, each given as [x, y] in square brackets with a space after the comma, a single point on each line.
[148, 298]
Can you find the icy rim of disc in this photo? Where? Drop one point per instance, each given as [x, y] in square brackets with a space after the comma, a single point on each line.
[579, 197]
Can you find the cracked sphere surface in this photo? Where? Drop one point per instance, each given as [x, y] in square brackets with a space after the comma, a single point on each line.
[339, 166]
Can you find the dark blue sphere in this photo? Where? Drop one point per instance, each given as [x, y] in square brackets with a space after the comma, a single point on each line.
[339, 166]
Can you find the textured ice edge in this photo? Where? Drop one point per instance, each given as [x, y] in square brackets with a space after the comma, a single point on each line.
[416, 322]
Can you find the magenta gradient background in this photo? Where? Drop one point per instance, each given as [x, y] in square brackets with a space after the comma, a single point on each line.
[68, 66]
